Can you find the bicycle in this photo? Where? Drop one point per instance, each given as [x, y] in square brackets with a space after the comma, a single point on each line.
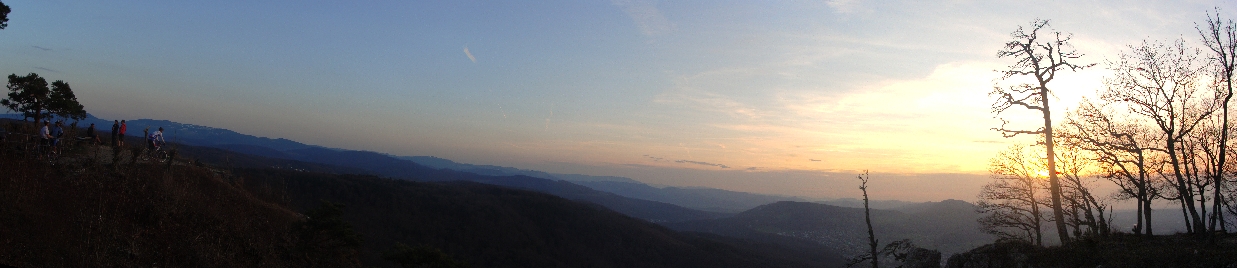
[157, 154]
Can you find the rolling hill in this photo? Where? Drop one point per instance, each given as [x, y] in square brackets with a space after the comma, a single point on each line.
[81, 212]
[491, 226]
[948, 226]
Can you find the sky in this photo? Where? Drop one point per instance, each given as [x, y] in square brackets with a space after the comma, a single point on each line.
[776, 97]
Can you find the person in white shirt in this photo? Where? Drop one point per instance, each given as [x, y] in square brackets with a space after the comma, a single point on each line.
[45, 134]
[155, 139]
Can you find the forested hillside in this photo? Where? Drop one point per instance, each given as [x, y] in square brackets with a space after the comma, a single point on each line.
[88, 209]
[947, 226]
[500, 227]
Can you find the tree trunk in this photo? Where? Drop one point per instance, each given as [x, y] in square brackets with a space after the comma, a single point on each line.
[1054, 183]
[1189, 227]
[1186, 195]
[867, 216]
[1143, 194]
[1039, 234]
[1138, 227]
[1147, 211]
[1225, 57]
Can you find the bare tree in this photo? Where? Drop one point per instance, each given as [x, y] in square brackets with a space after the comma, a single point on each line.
[901, 250]
[1220, 37]
[1011, 202]
[1160, 83]
[867, 216]
[1121, 149]
[1039, 59]
[1078, 171]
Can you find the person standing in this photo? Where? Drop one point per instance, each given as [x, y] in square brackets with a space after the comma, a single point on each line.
[91, 135]
[45, 134]
[146, 136]
[115, 131]
[123, 128]
[57, 131]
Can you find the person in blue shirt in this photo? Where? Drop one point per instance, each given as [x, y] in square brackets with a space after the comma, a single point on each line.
[57, 131]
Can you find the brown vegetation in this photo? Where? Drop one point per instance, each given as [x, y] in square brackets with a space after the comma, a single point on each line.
[79, 213]
[1122, 250]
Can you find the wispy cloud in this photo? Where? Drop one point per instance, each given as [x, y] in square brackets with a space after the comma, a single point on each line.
[41, 48]
[469, 54]
[646, 16]
[46, 69]
[701, 163]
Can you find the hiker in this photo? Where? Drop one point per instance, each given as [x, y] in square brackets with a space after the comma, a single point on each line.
[45, 135]
[90, 134]
[115, 131]
[123, 128]
[57, 131]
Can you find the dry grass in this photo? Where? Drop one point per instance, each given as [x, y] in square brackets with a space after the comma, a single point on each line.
[84, 212]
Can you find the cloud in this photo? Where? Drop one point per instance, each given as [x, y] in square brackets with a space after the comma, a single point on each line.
[41, 48]
[646, 16]
[919, 124]
[46, 69]
[469, 54]
[701, 163]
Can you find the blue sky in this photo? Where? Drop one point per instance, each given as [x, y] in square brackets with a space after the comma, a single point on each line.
[785, 97]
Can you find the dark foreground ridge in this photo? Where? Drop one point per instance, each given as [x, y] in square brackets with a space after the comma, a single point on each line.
[84, 211]
[1122, 250]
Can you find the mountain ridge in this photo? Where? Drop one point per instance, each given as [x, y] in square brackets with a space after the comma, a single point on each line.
[698, 198]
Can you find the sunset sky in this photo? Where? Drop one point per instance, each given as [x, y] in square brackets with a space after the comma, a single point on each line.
[780, 97]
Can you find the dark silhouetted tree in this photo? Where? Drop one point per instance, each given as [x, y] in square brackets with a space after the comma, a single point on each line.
[325, 240]
[31, 96]
[421, 257]
[1078, 176]
[28, 95]
[1123, 152]
[1220, 37]
[902, 251]
[63, 102]
[1159, 83]
[1011, 202]
[1038, 59]
[4, 15]
[867, 216]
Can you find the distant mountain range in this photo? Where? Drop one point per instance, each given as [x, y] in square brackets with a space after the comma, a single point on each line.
[706, 199]
[491, 226]
[949, 226]
[387, 166]
[185, 133]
